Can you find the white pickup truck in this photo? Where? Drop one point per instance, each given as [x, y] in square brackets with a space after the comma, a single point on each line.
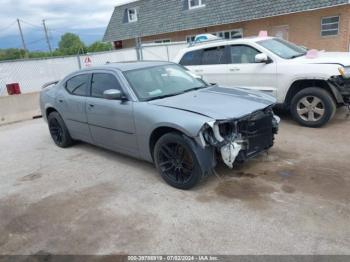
[311, 84]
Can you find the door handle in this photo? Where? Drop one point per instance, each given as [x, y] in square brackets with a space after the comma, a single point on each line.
[91, 105]
[199, 71]
[235, 69]
[60, 100]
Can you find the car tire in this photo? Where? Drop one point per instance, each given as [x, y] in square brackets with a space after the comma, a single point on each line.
[176, 161]
[313, 107]
[58, 130]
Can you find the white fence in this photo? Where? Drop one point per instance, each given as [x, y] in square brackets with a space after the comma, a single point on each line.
[31, 74]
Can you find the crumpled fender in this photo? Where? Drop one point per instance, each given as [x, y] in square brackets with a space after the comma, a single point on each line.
[205, 156]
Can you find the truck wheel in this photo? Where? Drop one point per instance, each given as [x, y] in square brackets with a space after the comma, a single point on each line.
[176, 161]
[58, 130]
[313, 107]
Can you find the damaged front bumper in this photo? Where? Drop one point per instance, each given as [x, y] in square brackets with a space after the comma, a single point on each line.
[240, 139]
[341, 89]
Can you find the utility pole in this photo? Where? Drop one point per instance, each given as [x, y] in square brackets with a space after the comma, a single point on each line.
[47, 37]
[22, 38]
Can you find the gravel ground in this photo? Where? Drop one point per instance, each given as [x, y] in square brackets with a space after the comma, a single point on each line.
[87, 200]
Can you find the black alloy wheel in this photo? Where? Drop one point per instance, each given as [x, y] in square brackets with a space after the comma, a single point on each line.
[58, 130]
[177, 162]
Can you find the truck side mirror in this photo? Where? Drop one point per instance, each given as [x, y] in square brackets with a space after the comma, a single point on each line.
[261, 58]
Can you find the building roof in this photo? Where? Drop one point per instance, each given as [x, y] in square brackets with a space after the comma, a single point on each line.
[166, 16]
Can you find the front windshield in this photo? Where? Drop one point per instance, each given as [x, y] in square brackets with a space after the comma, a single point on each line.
[162, 81]
[283, 48]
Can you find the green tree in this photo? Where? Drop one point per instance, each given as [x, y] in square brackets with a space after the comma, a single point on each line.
[99, 46]
[70, 44]
[11, 54]
[38, 54]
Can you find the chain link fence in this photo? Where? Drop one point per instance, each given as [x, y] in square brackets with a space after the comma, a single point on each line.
[32, 74]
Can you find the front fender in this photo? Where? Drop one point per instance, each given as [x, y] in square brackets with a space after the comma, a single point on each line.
[149, 117]
[205, 156]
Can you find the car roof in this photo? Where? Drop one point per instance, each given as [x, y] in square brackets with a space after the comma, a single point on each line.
[128, 65]
[215, 43]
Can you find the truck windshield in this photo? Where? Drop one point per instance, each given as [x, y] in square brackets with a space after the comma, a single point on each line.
[162, 81]
[283, 48]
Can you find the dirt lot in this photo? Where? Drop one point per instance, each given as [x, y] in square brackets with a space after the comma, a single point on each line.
[86, 200]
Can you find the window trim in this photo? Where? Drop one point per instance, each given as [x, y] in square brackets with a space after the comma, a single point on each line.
[322, 24]
[87, 88]
[200, 5]
[105, 73]
[136, 15]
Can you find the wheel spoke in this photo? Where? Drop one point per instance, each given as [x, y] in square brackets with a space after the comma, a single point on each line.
[305, 102]
[315, 101]
[167, 152]
[311, 116]
[319, 111]
[302, 111]
[165, 163]
[168, 168]
[181, 176]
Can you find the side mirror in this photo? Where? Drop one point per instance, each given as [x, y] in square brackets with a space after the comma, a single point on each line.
[112, 94]
[261, 58]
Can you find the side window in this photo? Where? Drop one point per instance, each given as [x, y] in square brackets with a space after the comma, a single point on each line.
[102, 82]
[213, 56]
[78, 85]
[242, 54]
[191, 58]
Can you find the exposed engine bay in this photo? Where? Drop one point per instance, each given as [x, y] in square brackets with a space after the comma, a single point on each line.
[240, 139]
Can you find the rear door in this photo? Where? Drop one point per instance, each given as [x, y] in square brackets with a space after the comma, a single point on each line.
[111, 122]
[210, 63]
[244, 72]
[71, 103]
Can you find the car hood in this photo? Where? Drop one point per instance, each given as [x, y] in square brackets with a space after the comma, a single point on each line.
[341, 58]
[218, 102]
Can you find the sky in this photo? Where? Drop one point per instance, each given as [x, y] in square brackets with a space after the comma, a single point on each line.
[87, 18]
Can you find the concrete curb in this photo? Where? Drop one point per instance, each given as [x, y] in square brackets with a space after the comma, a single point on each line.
[19, 107]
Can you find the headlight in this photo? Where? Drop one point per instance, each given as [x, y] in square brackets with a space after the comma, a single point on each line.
[344, 71]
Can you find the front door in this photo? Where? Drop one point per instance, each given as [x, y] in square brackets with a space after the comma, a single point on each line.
[246, 73]
[111, 122]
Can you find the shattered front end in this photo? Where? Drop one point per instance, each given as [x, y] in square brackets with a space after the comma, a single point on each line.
[237, 140]
[342, 86]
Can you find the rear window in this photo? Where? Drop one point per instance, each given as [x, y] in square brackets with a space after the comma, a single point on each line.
[78, 85]
[191, 58]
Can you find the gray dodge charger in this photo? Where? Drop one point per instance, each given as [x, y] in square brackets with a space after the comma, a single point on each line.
[161, 113]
